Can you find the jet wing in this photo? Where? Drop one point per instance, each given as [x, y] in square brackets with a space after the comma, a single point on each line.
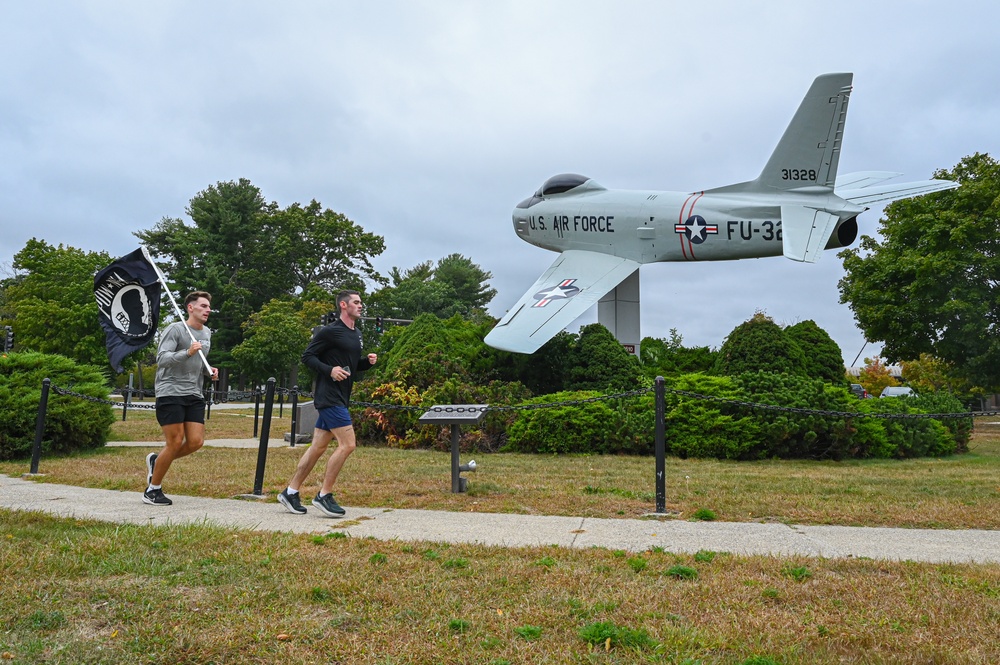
[574, 282]
[805, 232]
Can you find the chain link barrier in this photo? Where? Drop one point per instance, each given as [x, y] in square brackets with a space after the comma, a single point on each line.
[70, 393]
[831, 414]
[219, 397]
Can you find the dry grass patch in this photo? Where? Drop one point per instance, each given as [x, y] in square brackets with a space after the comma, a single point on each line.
[89, 592]
[962, 491]
[140, 423]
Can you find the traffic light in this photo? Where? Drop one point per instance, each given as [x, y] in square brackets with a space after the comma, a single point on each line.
[8, 338]
[378, 324]
[328, 318]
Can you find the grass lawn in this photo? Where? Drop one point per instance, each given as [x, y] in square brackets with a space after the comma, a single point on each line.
[962, 491]
[86, 592]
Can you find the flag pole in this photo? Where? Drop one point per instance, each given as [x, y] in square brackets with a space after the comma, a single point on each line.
[170, 296]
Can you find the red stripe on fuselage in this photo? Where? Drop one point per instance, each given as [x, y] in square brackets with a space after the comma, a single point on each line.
[686, 244]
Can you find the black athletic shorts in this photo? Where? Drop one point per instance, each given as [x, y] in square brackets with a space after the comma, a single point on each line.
[183, 409]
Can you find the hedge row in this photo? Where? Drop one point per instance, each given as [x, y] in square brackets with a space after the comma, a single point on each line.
[724, 428]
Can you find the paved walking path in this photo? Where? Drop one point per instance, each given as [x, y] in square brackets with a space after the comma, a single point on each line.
[635, 535]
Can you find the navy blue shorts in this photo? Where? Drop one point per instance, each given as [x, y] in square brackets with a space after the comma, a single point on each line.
[333, 417]
[183, 409]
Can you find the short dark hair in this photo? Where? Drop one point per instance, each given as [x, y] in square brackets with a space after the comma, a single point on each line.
[345, 296]
[194, 295]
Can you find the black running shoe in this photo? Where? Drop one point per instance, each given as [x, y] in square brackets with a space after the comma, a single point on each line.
[291, 502]
[150, 462]
[329, 505]
[155, 498]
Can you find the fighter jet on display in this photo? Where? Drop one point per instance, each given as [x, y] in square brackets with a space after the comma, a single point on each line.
[797, 207]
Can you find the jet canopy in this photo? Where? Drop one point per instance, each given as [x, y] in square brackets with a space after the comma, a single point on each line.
[558, 184]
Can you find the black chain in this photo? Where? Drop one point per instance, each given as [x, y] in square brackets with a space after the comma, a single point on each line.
[237, 395]
[833, 414]
[98, 400]
[572, 402]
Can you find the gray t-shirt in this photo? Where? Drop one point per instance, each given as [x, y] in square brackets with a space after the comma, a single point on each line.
[178, 374]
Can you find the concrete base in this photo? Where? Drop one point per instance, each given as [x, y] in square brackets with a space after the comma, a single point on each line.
[251, 497]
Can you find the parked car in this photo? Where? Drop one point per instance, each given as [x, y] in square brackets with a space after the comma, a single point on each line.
[859, 391]
[898, 391]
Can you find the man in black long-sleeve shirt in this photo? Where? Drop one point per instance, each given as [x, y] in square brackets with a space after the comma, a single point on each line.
[335, 355]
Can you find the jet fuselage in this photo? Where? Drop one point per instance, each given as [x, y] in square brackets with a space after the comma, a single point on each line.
[654, 226]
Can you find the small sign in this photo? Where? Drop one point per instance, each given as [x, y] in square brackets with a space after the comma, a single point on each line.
[454, 414]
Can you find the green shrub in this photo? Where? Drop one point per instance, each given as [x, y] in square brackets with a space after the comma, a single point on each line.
[697, 427]
[603, 426]
[386, 426]
[491, 433]
[71, 423]
[788, 434]
[760, 344]
[910, 437]
[400, 427]
[960, 429]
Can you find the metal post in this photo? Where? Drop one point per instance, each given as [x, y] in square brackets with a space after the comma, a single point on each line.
[43, 405]
[209, 398]
[258, 482]
[456, 478]
[128, 396]
[660, 443]
[295, 412]
[256, 409]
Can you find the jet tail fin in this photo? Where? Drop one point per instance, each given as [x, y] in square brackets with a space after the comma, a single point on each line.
[808, 153]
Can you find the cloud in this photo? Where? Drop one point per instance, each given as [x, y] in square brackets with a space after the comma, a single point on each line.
[427, 123]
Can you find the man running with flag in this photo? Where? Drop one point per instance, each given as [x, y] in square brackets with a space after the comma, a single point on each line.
[180, 402]
[128, 303]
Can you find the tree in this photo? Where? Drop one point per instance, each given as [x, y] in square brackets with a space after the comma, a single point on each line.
[759, 345]
[932, 285]
[598, 361]
[928, 374]
[246, 252]
[466, 282]
[543, 372]
[669, 357]
[823, 357]
[430, 350]
[51, 302]
[455, 286]
[275, 337]
[874, 376]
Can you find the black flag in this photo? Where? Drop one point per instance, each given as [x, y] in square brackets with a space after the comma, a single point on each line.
[128, 305]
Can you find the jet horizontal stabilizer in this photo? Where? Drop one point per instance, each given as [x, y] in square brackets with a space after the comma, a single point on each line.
[887, 193]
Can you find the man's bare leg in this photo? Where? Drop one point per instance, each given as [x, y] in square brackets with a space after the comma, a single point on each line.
[346, 444]
[182, 439]
[320, 441]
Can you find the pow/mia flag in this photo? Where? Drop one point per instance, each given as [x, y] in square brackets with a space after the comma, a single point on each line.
[128, 305]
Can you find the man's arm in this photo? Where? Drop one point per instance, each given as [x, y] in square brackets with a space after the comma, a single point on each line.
[311, 356]
[170, 350]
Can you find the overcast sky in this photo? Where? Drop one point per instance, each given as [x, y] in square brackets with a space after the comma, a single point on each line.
[426, 122]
